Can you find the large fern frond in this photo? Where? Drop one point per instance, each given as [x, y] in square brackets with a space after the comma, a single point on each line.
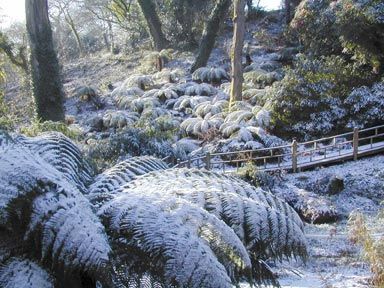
[60, 152]
[52, 217]
[24, 273]
[120, 174]
[267, 225]
[186, 245]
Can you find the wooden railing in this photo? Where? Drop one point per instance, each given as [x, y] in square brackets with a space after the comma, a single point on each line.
[296, 156]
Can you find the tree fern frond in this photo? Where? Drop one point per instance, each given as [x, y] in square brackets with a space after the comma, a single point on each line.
[120, 174]
[49, 213]
[264, 226]
[24, 273]
[177, 234]
[60, 152]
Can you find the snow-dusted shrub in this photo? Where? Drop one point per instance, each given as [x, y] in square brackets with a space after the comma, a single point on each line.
[200, 90]
[153, 113]
[263, 118]
[161, 94]
[85, 93]
[314, 23]
[119, 119]
[199, 126]
[361, 234]
[210, 108]
[129, 142]
[268, 66]
[255, 96]
[124, 97]
[210, 75]
[175, 227]
[240, 105]
[144, 82]
[167, 75]
[308, 102]
[140, 104]
[365, 106]
[260, 78]
[185, 147]
[350, 27]
[189, 102]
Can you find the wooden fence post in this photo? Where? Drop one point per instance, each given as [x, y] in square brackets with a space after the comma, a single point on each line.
[208, 161]
[294, 156]
[355, 143]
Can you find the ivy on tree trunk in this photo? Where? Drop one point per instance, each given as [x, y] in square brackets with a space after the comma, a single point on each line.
[46, 80]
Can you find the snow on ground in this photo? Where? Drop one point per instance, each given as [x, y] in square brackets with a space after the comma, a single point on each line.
[333, 260]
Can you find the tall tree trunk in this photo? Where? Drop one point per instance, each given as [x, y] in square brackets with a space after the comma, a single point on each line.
[237, 51]
[287, 4]
[154, 25]
[210, 32]
[47, 86]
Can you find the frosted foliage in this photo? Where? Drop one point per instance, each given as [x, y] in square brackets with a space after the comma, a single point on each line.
[206, 108]
[200, 126]
[60, 219]
[24, 273]
[119, 119]
[141, 81]
[121, 174]
[166, 227]
[366, 105]
[185, 102]
[161, 94]
[209, 75]
[200, 90]
[266, 226]
[59, 151]
[178, 233]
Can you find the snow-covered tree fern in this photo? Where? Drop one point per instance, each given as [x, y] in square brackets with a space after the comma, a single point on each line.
[147, 226]
[24, 273]
[46, 216]
[210, 75]
[119, 119]
[60, 152]
[267, 227]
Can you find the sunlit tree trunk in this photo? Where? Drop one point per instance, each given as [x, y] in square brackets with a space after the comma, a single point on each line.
[237, 51]
[210, 32]
[47, 86]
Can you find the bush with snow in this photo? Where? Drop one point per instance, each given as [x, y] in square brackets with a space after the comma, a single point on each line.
[210, 75]
[365, 106]
[119, 119]
[308, 102]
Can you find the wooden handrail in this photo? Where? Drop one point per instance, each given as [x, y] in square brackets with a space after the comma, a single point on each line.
[297, 150]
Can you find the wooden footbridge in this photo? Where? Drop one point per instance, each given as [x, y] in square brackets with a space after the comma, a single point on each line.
[297, 156]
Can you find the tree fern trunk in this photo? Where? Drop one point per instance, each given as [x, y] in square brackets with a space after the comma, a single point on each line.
[237, 51]
[47, 86]
[210, 32]
[154, 25]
